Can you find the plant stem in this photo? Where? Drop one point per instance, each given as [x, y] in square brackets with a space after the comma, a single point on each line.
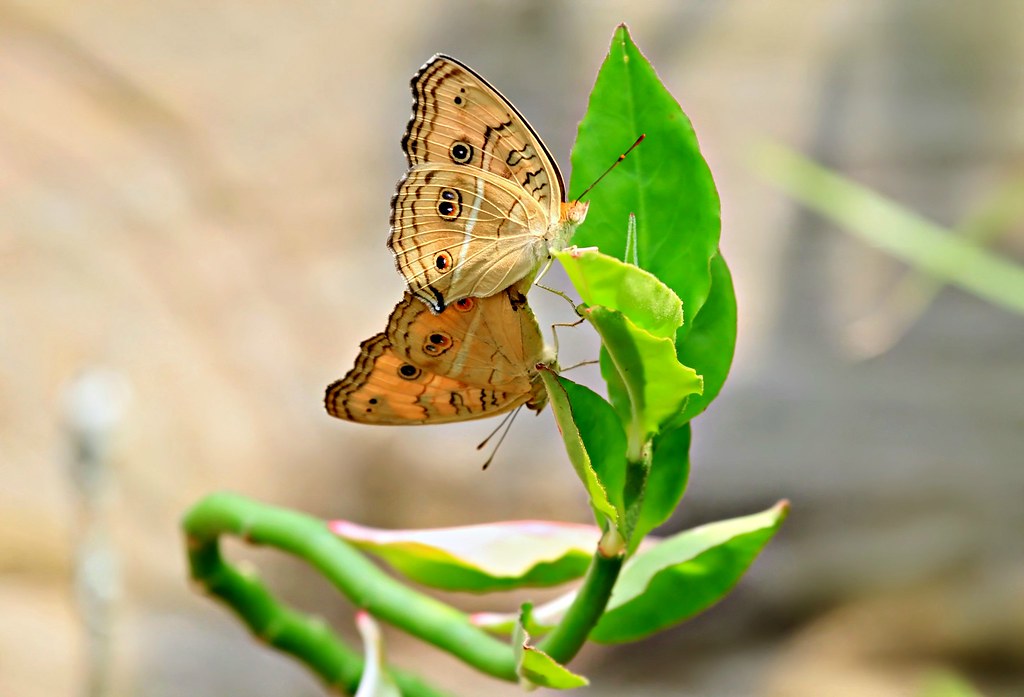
[569, 636]
[637, 472]
[352, 573]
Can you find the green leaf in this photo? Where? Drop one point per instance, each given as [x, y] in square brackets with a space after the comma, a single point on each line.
[707, 341]
[618, 392]
[684, 575]
[375, 682]
[638, 294]
[534, 667]
[666, 482]
[594, 441]
[538, 668]
[481, 558]
[647, 384]
[665, 181]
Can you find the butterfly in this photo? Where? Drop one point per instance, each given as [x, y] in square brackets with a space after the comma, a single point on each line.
[483, 203]
[475, 358]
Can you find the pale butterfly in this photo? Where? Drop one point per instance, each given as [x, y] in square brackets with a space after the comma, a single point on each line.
[483, 203]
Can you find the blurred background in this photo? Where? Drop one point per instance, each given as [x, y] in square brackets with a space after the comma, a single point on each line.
[193, 209]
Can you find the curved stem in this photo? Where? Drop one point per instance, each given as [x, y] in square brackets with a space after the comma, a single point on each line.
[353, 574]
[568, 637]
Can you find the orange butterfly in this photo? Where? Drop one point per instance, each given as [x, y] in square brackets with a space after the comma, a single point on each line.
[477, 358]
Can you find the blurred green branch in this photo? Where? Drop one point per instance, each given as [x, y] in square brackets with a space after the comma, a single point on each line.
[306, 638]
[367, 587]
[928, 247]
[944, 683]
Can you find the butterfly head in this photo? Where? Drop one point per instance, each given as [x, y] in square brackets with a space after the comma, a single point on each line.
[575, 212]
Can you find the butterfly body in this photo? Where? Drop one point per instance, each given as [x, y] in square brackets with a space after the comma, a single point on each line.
[475, 359]
[482, 205]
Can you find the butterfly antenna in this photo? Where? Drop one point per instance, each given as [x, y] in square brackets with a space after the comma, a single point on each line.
[507, 424]
[614, 165]
[481, 444]
[579, 365]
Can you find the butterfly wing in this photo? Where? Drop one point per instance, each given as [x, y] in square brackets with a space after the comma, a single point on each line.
[464, 135]
[459, 118]
[377, 391]
[459, 233]
[475, 359]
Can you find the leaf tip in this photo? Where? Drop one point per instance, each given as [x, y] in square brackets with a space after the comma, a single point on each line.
[346, 529]
[483, 619]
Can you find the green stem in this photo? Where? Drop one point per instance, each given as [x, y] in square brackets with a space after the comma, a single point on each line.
[286, 630]
[571, 633]
[353, 574]
[635, 486]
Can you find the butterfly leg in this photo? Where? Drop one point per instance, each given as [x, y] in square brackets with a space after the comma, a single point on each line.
[554, 334]
[564, 296]
[547, 267]
[556, 325]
